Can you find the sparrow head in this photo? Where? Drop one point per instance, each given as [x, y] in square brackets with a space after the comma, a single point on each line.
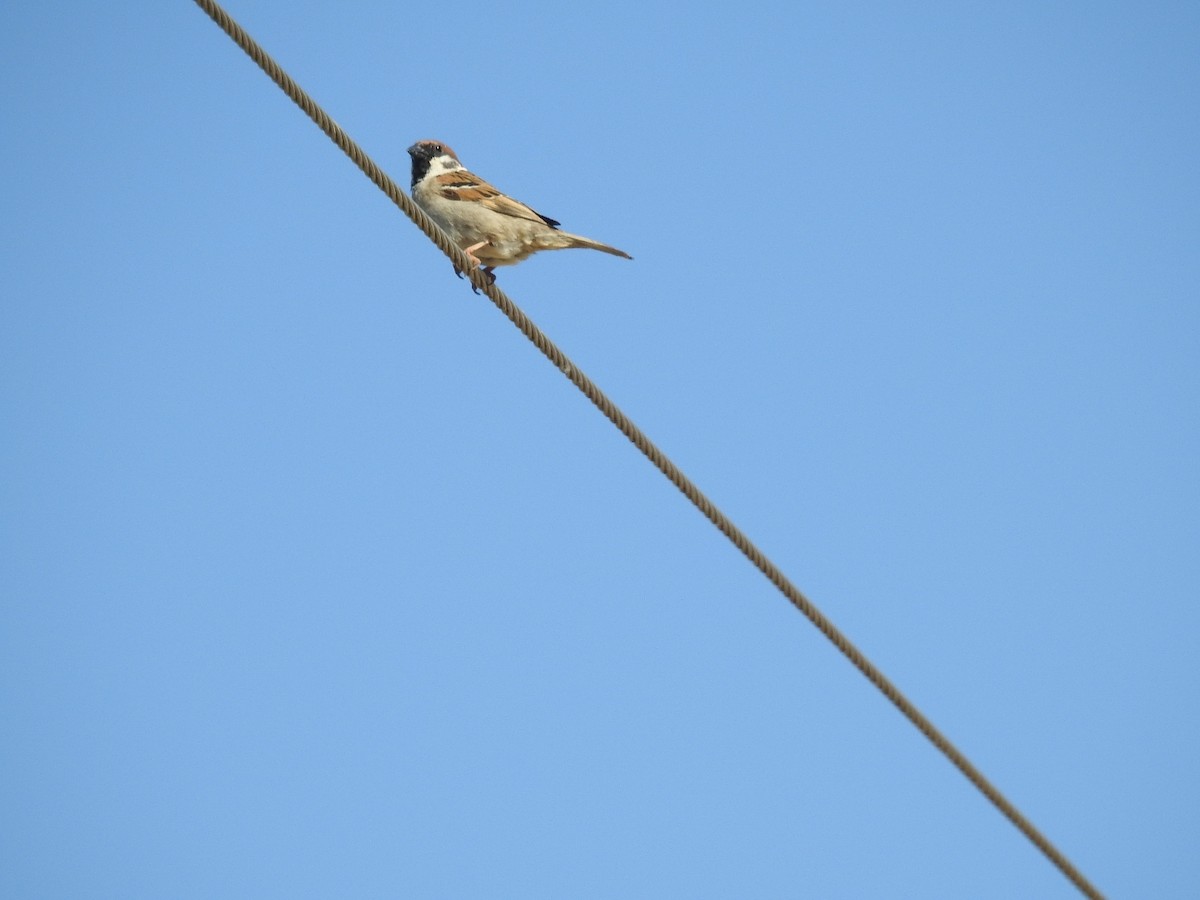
[423, 154]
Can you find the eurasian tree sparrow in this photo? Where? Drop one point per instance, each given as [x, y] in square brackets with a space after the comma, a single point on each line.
[491, 228]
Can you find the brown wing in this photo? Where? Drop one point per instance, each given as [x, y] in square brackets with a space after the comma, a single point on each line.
[463, 185]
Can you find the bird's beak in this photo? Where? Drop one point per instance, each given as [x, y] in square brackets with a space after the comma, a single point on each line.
[412, 151]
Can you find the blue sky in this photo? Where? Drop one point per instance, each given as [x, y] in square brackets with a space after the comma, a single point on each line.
[318, 581]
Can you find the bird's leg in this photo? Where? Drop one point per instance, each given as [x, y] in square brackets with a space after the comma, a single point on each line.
[487, 270]
[470, 251]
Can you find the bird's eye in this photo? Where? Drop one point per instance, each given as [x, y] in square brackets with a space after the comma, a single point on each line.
[437, 148]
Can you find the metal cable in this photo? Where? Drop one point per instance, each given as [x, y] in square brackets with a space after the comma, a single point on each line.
[644, 444]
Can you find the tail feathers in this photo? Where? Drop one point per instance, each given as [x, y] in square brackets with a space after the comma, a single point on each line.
[562, 240]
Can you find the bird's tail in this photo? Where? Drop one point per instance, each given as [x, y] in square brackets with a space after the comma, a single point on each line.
[563, 240]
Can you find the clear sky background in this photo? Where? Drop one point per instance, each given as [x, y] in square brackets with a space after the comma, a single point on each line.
[317, 580]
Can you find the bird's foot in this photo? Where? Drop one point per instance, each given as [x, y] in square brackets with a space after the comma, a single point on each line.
[487, 270]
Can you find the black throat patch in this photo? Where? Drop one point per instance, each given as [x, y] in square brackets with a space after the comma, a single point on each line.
[420, 167]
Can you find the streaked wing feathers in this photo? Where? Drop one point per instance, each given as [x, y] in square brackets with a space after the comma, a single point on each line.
[463, 185]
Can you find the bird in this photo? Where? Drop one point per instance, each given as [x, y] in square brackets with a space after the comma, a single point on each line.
[492, 228]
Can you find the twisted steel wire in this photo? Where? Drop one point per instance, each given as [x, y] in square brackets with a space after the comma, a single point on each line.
[644, 444]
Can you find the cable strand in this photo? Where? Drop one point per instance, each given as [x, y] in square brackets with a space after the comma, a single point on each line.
[644, 444]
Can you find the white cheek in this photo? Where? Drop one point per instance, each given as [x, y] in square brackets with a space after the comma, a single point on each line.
[441, 164]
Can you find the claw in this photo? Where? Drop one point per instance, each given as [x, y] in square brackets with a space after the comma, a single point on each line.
[487, 270]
